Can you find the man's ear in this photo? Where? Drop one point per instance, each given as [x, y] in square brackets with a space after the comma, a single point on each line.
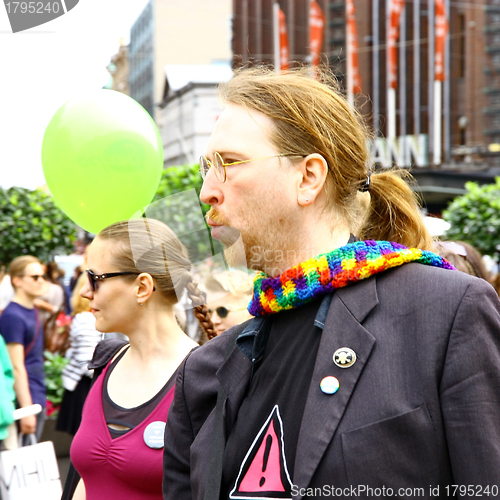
[313, 171]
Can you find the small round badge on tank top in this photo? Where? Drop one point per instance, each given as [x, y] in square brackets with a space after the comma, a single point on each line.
[154, 435]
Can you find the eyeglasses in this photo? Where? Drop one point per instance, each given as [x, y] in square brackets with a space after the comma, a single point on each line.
[222, 311]
[35, 277]
[94, 278]
[220, 166]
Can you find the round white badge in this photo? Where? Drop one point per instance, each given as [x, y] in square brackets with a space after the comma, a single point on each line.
[329, 385]
[154, 435]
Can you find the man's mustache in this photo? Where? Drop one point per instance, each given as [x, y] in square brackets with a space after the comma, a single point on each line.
[229, 235]
[214, 216]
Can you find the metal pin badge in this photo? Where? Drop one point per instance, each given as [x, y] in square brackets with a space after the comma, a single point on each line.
[329, 385]
[154, 435]
[344, 357]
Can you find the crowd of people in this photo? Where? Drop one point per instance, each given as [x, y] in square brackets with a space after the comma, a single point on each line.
[363, 352]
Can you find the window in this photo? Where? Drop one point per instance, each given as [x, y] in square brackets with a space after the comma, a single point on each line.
[461, 46]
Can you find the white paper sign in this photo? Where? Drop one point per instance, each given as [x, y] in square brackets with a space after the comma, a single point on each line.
[30, 472]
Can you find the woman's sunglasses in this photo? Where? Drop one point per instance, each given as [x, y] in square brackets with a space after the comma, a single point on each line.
[222, 311]
[95, 278]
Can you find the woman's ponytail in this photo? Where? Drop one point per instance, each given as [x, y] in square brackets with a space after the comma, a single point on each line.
[201, 312]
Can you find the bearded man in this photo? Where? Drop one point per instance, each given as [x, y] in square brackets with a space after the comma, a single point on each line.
[372, 367]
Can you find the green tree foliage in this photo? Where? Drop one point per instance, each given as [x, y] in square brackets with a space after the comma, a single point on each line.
[475, 217]
[30, 223]
[178, 179]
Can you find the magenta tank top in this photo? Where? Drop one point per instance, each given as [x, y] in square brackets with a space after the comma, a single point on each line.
[124, 467]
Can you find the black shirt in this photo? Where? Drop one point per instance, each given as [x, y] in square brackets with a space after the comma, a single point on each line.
[260, 451]
[129, 417]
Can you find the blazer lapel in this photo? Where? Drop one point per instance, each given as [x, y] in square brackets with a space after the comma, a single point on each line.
[234, 376]
[323, 412]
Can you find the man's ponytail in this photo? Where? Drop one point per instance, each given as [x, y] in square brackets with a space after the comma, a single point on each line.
[394, 212]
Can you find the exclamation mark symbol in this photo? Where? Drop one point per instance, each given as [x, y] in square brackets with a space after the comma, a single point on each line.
[269, 442]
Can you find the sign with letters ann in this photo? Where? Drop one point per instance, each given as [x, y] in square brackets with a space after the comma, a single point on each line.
[404, 151]
[30, 472]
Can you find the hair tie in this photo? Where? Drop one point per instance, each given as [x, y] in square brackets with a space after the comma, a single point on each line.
[366, 185]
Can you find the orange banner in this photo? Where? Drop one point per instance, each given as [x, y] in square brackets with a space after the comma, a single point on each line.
[284, 49]
[316, 27]
[440, 40]
[395, 9]
[353, 47]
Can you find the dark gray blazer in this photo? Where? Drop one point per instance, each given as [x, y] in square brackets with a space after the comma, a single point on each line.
[420, 407]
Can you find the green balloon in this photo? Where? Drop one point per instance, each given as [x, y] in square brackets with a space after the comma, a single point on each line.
[102, 158]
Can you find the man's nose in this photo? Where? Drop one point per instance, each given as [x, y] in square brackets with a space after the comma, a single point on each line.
[211, 192]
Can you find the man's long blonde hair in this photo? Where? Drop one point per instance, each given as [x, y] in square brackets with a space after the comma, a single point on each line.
[312, 116]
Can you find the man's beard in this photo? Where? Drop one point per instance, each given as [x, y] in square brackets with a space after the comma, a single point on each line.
[269, 251]
[265, 245]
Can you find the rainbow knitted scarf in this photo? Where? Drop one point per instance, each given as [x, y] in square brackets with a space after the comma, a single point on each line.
[323, 274]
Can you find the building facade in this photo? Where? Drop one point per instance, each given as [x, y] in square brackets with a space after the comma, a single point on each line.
[189, 110]
[168, 32]
[187, 120]
[142, 59]
[119, 70]
[446, 129]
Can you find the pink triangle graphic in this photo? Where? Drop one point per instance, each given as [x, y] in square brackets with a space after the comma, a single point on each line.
[264, 471]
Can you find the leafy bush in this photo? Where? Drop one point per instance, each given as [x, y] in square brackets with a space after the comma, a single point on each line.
[177, 179]
[30, 223]
[475, 217]
[54, 365]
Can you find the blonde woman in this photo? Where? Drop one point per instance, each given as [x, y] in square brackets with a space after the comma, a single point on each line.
[232, 292]
[136, 271]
